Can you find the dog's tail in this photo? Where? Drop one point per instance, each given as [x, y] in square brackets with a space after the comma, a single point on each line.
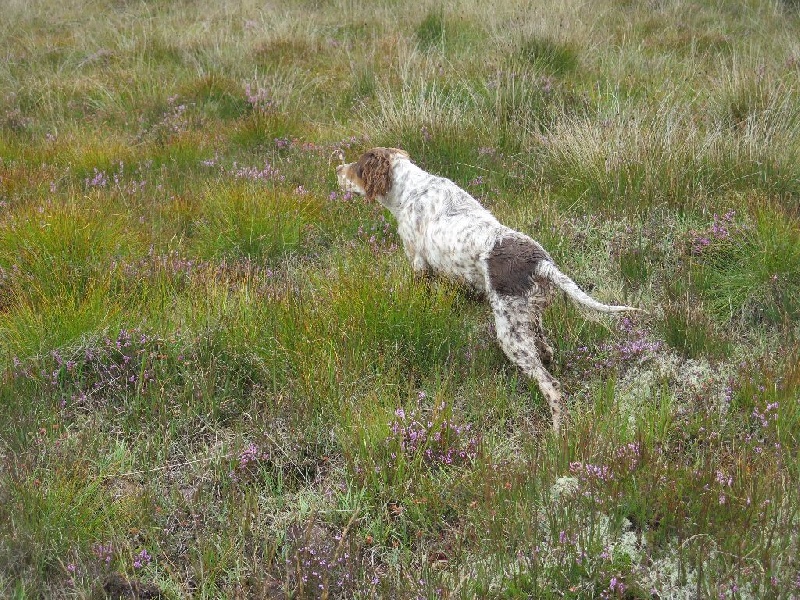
[549, 271]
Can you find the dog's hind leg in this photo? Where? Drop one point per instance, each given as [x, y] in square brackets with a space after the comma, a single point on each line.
[545, 350]
[520, 341]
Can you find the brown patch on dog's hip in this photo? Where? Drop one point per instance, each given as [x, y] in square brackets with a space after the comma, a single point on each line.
[512, 265]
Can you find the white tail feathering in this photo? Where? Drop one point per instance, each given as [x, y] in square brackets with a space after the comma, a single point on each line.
[549, 271]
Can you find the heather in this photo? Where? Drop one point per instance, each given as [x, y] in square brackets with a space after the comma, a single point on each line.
[220, 379]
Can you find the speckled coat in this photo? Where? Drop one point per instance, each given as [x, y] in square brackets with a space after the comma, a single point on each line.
[446, 231]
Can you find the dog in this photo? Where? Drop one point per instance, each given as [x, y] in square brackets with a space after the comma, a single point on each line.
[446, 231]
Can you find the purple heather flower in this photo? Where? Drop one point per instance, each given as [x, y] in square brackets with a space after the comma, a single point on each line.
[142, 559]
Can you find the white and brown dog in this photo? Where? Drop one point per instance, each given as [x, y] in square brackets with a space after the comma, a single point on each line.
[445, 230]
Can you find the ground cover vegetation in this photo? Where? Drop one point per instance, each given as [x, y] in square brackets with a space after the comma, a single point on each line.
[220, 379]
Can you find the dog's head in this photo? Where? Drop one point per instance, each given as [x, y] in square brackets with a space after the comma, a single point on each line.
[370, 175]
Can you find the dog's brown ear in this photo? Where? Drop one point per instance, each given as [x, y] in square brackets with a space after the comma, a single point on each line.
[375, 170]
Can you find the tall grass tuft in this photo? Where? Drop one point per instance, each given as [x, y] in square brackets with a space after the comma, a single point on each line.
[250, 220]
[744, 270]
[431, 30]
[62, 251]
[547, 55]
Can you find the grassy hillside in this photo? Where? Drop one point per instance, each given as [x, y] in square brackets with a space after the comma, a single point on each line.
[219, 378]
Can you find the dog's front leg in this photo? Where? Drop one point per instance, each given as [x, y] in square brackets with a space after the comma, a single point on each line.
[422, 270]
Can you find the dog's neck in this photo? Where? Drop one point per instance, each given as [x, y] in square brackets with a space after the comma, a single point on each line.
[406, 177]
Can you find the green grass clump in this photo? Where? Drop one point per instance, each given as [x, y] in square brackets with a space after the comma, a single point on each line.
[60, 514]
[548, 55]
[690, 331]
[747, 270]
[63, 277]
[430, 32]
[251, 221]
[62, 251]
[217, 96]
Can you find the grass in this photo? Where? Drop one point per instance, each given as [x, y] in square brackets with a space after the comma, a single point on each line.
[220, 378]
